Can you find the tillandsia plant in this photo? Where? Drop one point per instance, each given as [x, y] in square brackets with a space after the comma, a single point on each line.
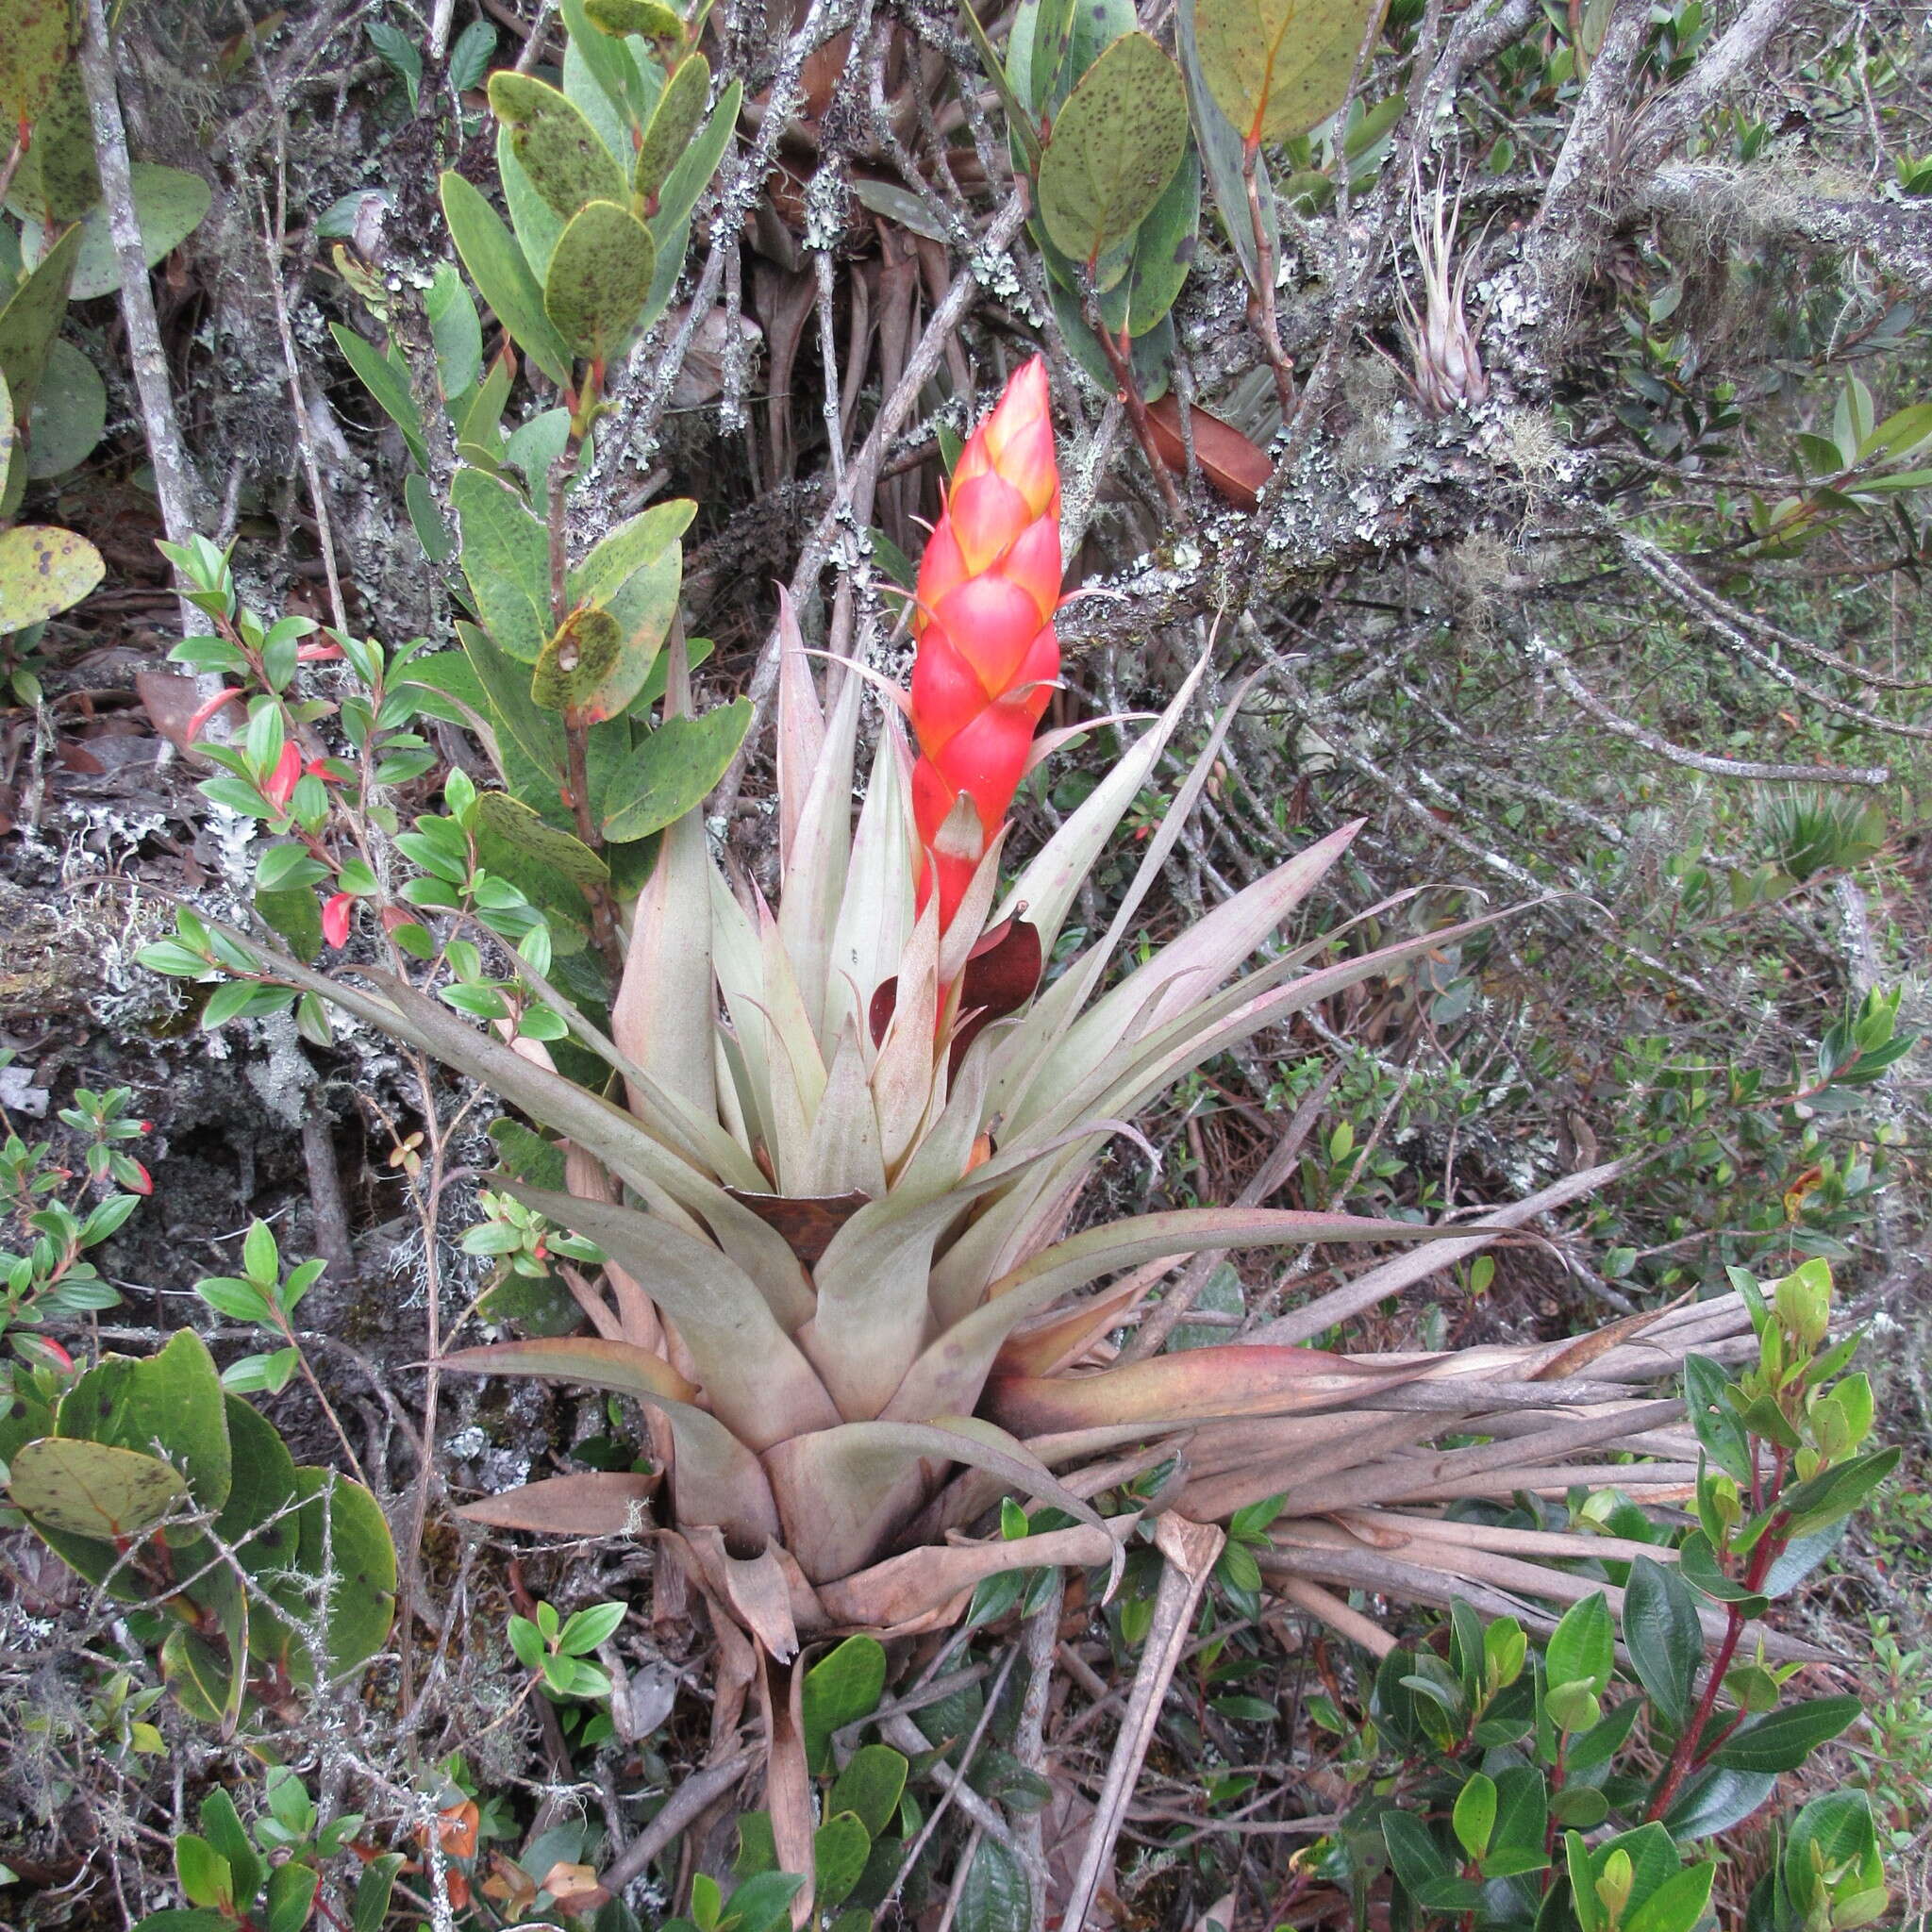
[855, 1130]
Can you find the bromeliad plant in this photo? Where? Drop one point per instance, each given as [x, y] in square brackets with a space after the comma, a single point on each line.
[838, 1147]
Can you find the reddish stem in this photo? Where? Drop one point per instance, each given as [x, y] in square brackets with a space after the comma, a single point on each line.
[1687, 1757]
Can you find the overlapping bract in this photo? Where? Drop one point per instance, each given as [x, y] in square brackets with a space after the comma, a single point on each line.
[988, 584]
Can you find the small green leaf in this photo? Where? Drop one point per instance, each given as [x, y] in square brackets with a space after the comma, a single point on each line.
[1583, 1646]
[672, 770]
[870, 1786]
[840, 1848]
[589, 1627]
[291, 1896]
[1676, 1905]
[454, 330]
[1836, 1492]
[1475, 1816]
[1698, 1565]
[204, 1873]
[33, 56]
[843, 1687]
[373, 1891]
[1573, 1707]
[1715, 1800]
[30, 325]
[642, 540]
[292, 911]
[221, 1824]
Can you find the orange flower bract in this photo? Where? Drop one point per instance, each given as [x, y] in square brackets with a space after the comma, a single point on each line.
[989, 585]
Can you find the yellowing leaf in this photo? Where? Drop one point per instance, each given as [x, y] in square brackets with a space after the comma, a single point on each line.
[43, 571]
[674, 120]
[649, 18]
[599, 277]
[510, 820]
[57, 180]
[92, 1488]
[1278, 67]
[579, 658]
[1114, 148]
[563, 155]
[33, 52]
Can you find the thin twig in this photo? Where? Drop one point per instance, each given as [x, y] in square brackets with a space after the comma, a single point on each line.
[698, 1792]
[176, 486]
[304, 443]
[1040, 1644]
[1190, 1549]
[1572, 687]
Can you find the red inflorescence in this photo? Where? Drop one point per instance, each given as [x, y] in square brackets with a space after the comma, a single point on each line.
[989, 585]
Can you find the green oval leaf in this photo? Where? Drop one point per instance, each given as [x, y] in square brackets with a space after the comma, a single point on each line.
[600, 274]
[506, 558]
[69, 414]
[673, 122]
[502, 277]
[870, 1786]
[1663, 1636]
[32, 319]
[840, 1848]
[843, 1687]
[563, 155]
[1782, 1740]
[1114, 148]
[672, 770]
[92, 1488]
[169, 204]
